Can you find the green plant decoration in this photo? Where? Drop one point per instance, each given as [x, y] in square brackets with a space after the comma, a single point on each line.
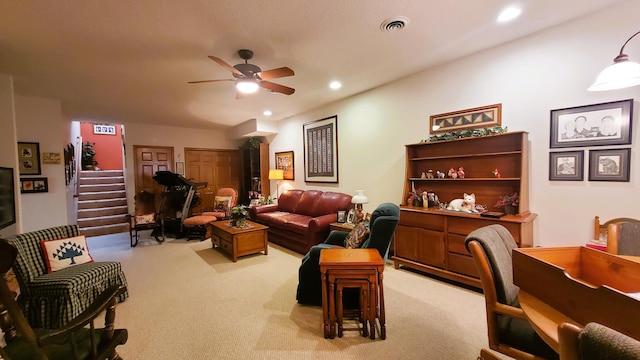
[252, 143]
[466, 133]
[87, 155]
[239, 215]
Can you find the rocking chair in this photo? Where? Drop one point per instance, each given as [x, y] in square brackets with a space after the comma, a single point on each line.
[146, 217]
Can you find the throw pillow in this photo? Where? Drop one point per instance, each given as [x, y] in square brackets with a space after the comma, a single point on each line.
[145, 219]
[62, 253]
[221, 204]
[357, 236]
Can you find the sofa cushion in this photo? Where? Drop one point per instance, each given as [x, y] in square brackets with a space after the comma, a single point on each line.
[357, 236]
[298, 223]
[62, 253]
[288, 201]
[330, 202]
[307, 202]
[272, 218]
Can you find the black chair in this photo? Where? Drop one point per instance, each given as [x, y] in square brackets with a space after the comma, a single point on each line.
[146, 217]
[509, 331]
[595, 342]
[78, 339]
[382, 225]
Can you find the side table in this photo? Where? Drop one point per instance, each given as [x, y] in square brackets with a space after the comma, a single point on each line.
[352, 264]
[341, 226]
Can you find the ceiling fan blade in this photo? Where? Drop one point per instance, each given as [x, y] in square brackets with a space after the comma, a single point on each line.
[225, 65]
[277, 87]
[206, 81]
[276, 73]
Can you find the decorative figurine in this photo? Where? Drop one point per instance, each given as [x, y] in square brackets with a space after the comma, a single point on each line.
[452, 173]
[439, 175]
[430, 174]
[423, 175]
[432, 199]
[496, 173]
[461, 172]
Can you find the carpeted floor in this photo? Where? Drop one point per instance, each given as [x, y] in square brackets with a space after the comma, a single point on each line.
[189, 301]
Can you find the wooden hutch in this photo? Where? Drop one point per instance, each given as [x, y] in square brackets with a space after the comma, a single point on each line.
[431, 240]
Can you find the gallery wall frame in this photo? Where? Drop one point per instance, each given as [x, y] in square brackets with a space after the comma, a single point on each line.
[320, 139]
[610, 165]
[566, 166]
[475, 118]
[592, 125]
[34, 185]
[29, 158]
[284, 162]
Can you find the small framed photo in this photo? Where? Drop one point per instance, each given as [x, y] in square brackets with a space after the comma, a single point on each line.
[609, 165]
[254, 202]
[29, 158]
[34, 185]
[342, 216]
[592, 125]
[566, 166]
[351, 216]
[180, 168]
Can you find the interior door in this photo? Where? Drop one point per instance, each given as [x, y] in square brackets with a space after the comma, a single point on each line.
[148, 160]
[219, 168]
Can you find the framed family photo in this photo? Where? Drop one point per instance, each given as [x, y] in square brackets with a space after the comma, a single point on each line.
[29, 158]
[320, 140]
[566, 166]
[609, 165]
[284, 162]
[33, 185]
[592, 125]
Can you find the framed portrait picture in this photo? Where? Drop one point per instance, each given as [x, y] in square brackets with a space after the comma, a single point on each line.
[342, 216]
[351, 216]
[480, 117]
[284, 162]
[566, 166]
[320, 140]
[609, 165]
[29, 158]
[592, 125]
[34, 185]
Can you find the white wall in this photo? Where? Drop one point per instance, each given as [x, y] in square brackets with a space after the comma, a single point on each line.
[530, 77]
[8, 147]
[40, 120]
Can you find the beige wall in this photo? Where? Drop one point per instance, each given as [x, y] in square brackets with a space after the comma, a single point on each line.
[530, 77]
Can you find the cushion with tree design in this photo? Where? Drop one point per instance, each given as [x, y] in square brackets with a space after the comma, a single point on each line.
[62, 253]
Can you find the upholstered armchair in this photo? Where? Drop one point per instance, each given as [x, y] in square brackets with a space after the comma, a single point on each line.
[197, 227]
[508, 329]
[52, 299]
[382, 225]
[79, 339]
[623, 238]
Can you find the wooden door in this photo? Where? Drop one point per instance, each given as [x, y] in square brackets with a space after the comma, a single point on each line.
[219, 168]
[148, 160]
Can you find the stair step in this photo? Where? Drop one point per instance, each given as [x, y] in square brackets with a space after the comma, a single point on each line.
[100, 173]
[102, 180]
[104, 230]
[101, 203]
[102, 220]
[103, 211]
[100, 195]
[83, 189]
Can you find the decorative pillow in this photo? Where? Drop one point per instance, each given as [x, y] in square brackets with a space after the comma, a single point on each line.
[145, 219]
[221, 204]
[357, 236]
[63, 253]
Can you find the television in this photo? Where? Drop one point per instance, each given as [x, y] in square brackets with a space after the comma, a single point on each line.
[7, 198]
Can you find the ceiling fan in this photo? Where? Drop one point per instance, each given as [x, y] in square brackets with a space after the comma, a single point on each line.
[249, 77]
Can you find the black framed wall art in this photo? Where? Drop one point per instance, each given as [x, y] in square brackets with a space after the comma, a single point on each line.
[29, 158]
[320, 139]
[610, 165]
[566, 166]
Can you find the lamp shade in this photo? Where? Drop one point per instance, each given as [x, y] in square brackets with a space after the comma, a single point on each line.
[359, 198]
[247, 86]
[620, 74]
[276, 174]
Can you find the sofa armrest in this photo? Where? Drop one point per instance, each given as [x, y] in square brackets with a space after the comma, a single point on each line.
[253, 211]
[322, 222]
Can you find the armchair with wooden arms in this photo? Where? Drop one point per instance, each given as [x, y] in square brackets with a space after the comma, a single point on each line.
[509, 331]
[197, 226]
[78, 339]
[595, 342]
[600, 231]
[147, 216]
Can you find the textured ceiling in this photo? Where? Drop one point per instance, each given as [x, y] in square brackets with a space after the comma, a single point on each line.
[129, 61]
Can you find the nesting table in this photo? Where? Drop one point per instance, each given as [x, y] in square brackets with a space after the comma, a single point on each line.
[358, 268]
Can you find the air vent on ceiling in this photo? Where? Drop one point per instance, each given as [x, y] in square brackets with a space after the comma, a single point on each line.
[394, 24]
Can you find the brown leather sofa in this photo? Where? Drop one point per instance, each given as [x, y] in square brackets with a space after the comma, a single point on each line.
[301, 218]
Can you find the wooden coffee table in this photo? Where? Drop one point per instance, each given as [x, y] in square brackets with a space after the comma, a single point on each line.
[239, 242]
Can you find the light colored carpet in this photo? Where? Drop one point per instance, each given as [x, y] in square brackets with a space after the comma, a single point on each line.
[189, 301]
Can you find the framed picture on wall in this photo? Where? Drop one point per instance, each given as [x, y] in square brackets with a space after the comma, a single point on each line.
[609, 165]
[592, 125]
[284, 162]
[34, 185]
[29, 158]
[566, 166]
[320, 139]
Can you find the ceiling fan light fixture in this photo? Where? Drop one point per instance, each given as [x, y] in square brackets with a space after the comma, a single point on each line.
[247, 86]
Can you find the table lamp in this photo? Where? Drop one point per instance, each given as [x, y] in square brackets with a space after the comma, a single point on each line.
[359, 199]
[277, 175]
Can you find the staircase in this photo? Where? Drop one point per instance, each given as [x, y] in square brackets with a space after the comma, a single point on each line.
[102, 203]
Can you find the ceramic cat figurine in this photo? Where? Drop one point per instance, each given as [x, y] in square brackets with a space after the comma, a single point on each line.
[466, 204]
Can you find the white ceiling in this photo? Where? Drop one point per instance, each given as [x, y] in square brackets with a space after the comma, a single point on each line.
[129, 61]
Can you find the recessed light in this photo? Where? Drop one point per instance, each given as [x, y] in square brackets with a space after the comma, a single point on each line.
[267, 113]
[509, 14]
[335, 85]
